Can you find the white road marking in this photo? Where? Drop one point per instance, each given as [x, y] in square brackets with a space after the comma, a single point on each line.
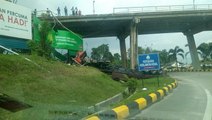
[208, 110]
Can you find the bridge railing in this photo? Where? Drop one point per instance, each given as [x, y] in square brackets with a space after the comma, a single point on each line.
[41, 13]
[121, 10]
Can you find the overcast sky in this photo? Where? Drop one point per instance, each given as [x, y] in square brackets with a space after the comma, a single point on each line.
[156, 41]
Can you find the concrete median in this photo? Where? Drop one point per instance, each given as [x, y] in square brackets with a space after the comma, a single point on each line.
[124, 111]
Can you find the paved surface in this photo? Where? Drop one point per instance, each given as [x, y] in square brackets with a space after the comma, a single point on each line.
[191, 100]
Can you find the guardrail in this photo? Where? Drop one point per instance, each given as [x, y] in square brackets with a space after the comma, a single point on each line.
[120, 10]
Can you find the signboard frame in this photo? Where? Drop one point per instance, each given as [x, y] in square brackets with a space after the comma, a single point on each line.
[148, 63]
[15, 21]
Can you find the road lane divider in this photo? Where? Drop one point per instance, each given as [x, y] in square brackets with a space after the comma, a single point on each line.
[200, 70]
[154, 97]
[133, 107]
[121, 111]
[173, 85]
[161, 93]
[169, 87]
[142, 103]
[166, 90]
[124, 111]
[94, 118]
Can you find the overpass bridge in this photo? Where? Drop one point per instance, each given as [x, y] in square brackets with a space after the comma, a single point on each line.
[189, 20]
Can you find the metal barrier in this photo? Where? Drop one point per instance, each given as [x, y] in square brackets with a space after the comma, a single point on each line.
[121, 10]
[42, 13]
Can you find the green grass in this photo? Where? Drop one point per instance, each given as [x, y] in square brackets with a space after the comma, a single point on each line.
[64, 88]
[151, 85]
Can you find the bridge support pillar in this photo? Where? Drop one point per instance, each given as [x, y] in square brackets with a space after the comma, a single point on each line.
[193, 50]
[123, 50]
[134, 43]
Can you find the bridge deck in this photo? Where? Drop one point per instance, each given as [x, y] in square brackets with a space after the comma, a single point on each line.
[150, 22]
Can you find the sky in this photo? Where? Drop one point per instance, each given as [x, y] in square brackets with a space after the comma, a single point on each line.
[155, 41]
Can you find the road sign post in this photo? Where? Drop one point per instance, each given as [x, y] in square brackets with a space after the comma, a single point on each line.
[149, 62]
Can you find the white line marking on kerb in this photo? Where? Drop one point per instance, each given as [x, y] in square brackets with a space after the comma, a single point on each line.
[208, 110]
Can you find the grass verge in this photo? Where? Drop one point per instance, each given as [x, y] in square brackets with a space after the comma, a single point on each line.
[151, 85]
[63, 92]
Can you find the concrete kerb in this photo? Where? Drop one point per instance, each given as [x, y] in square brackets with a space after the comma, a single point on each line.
[200, 70]
[124, 111]
[103, 105]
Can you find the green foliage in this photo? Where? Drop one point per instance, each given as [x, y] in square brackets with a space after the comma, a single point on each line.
[141, 50]
[164, 57]
[62, 87]
[199, 52]
[43, 47]
[1, 50]
[148, 50]
[176, 51]
[102, 53]
[173, 53]
[132, 85]
[150, 84]
[33, 46]
[206, 51]
[116, 60]
[210, 48]
[117, 57]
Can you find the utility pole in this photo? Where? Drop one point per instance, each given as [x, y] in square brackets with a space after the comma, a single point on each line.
[194, 4]
[93, 7]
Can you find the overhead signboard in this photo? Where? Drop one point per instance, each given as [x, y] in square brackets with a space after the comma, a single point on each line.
[148, 62]
[67, 40]
[15, 20]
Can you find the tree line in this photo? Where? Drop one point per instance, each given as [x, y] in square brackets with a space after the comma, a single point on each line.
[102, 53]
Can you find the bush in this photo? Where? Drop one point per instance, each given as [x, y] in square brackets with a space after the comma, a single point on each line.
[43, 46]
[32, 46]
[132, 85]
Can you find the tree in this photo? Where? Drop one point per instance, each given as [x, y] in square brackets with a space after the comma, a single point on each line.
[102, 53]
[186, 54]
[164, 57]
[116, 59]
[148, 50]
[210, 48]
[43, 46]
[206, 51]
[141, 50]
[173, 53]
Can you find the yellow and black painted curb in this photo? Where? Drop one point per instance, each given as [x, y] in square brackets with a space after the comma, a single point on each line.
[200, 70]
[133, 107]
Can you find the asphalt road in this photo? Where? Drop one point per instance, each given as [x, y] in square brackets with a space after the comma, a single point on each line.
[191, 100]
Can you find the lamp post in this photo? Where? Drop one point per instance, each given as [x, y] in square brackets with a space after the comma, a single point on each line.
[194, 4]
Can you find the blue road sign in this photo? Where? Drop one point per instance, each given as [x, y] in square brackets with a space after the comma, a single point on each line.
[148, 62]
